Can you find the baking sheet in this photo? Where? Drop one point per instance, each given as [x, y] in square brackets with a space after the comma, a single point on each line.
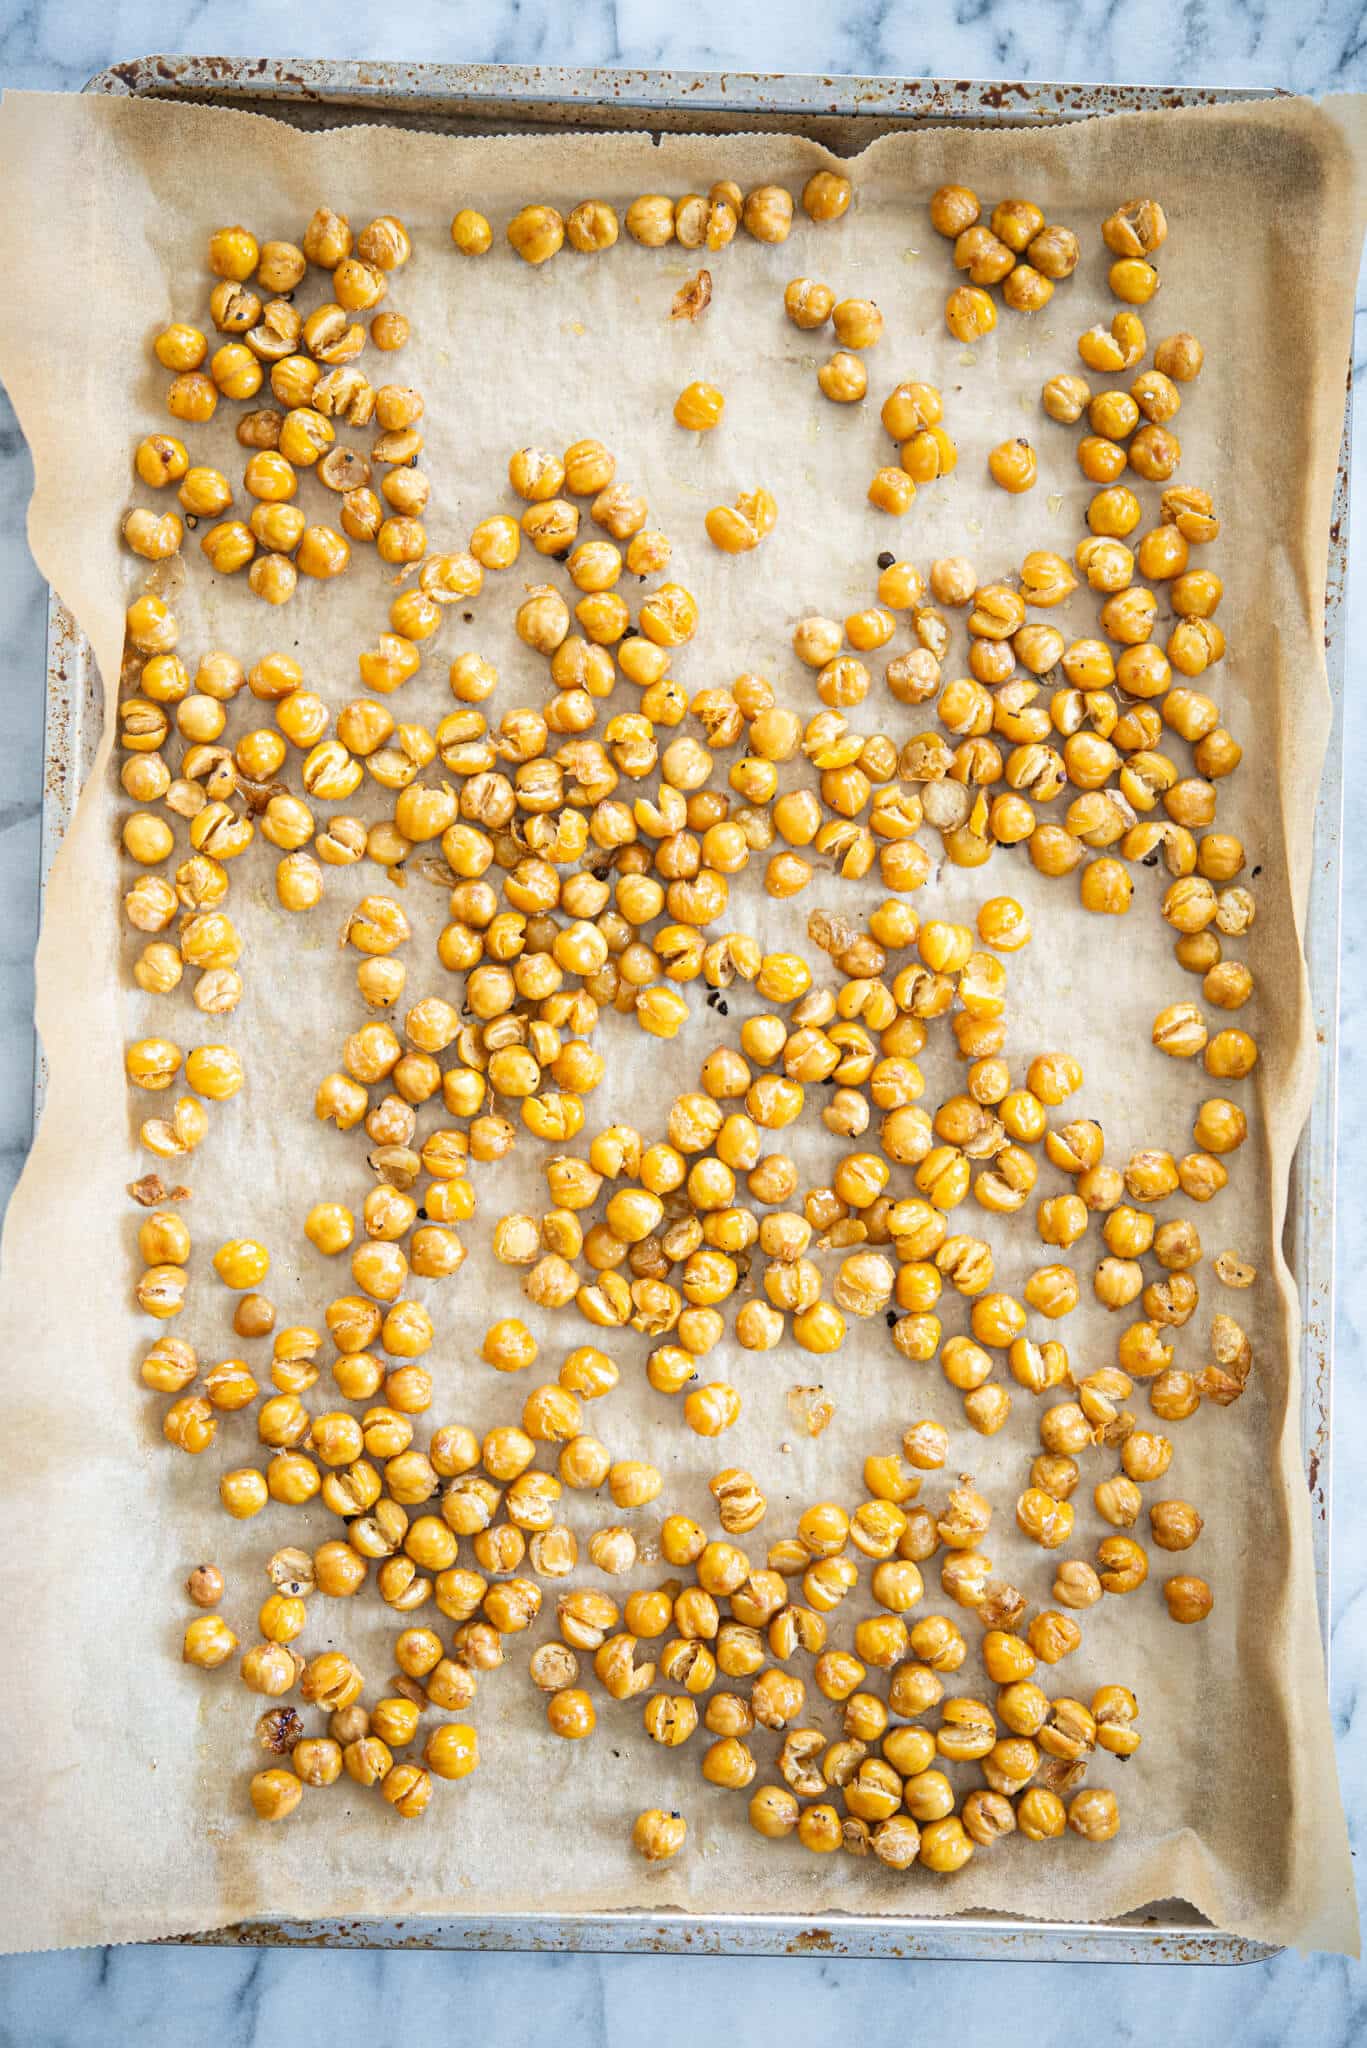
[821, 463]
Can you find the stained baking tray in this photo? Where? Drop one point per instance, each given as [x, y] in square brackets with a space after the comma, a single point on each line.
[845, 114]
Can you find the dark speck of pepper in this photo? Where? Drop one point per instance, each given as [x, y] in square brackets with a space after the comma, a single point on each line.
[1255, 872]
[886, 559]
[891, 1319]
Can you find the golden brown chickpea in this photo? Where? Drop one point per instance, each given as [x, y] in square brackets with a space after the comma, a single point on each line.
[1094, 1814]
[471, 232]
[1137, 228]
[1175, 1524]
[767, 213]
[843, 378]
[969, 314]
[1065, 397]
[826, 196]
[1133, 280]
[1054, 252]
[1027, 290]
[892, 490]
[1012, 465]
[536, 233]
[857, 323]
[657, 1835]
[952, 209]
[807, 303]
[1179, 356]
[1189, 1599]
[983, 255]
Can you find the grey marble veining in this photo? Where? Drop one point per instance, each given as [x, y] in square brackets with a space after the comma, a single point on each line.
[165, 1997]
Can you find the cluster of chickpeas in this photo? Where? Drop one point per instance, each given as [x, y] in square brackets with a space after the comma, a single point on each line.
[360, 1743]
[735, 529]
[856, 323]
[715, 1653]
[709, 222]
[590, 872]
[1016, 249]
[312, 362]
[405, 1511]
[1151, 452]
[1133, 233]
[913, 414]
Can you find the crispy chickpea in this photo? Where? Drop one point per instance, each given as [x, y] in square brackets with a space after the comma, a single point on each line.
[945, 1845]
[1189, 1599]
[1094, 1814]
[591, 226]
[536, 233]
[1179, 356]
[650, 220]
[275, 1794]
[843, 378]
[773, 1812]
[1027, 289]
[1123, 1564]
[969, 313]
[1231, 1055]
[471, 232]
[857, 323]
[657, 1835]
[208, 1642]
[1133, 280]
[1012, 465]
[807, 303]
[767, 213]
[1174, 1524]
[1065, 397]
[826, 196]
[952, 209]
[699, 407]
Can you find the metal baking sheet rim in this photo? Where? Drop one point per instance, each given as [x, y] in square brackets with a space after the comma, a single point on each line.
[499, 95]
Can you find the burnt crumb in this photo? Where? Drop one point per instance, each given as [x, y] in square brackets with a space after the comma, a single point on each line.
[722, 1010]
[891, 1319]
[468, 617]
[886, 559]
[152, 1189]
[279, 1729]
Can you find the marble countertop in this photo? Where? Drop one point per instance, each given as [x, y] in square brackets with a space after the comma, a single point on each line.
[164, 1997]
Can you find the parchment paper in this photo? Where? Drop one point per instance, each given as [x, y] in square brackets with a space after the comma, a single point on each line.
[125, 1814]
